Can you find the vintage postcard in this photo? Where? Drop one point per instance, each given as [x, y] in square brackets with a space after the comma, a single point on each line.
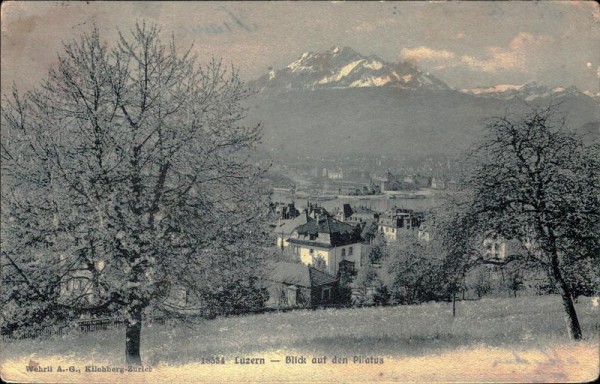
[300, 191]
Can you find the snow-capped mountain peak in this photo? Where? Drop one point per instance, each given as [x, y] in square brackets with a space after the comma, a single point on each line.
[492, 89]
[528, 91]
[595, 96]
[343, 67]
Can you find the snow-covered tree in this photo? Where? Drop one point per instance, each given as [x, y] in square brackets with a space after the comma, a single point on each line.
[535, 181]
[126, 182]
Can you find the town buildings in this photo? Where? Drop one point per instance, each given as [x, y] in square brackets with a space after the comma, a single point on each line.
[286, 211]
[325, 242]
[388, 182]
[398, 222]
[294, 285]
[333, 173]
[358, 215]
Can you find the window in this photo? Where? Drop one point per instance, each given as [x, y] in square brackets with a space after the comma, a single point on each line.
[343, 252]
[350, 251]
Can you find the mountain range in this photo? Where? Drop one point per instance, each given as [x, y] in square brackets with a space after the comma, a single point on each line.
[528, 92]
[346, 68]
[340, 102]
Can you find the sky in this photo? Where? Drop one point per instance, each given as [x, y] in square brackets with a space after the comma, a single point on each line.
[465, 44]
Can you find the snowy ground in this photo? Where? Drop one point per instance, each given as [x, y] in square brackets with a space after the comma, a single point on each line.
[491, 335]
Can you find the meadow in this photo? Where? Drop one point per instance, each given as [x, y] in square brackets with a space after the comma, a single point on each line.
[417, 332]
[400, 330]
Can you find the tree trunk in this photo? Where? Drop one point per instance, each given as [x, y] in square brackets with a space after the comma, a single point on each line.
[133, 332]
[454, 303]
[573, 327]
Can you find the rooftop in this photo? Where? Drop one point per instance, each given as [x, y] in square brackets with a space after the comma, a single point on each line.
[326, 224]
[340, 233]
[299, 275]
[361, 210]
[286, 227]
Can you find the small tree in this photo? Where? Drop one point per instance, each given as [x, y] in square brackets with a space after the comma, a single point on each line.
[377, 249]
[450, 240]
[366, 280]
[318, 262]
[125, 175]
[515, 282]
[479, 280]
[369, 231]
[278, 254]
[535, 181]
[346, 276]
[382, 295]
[415, 270]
